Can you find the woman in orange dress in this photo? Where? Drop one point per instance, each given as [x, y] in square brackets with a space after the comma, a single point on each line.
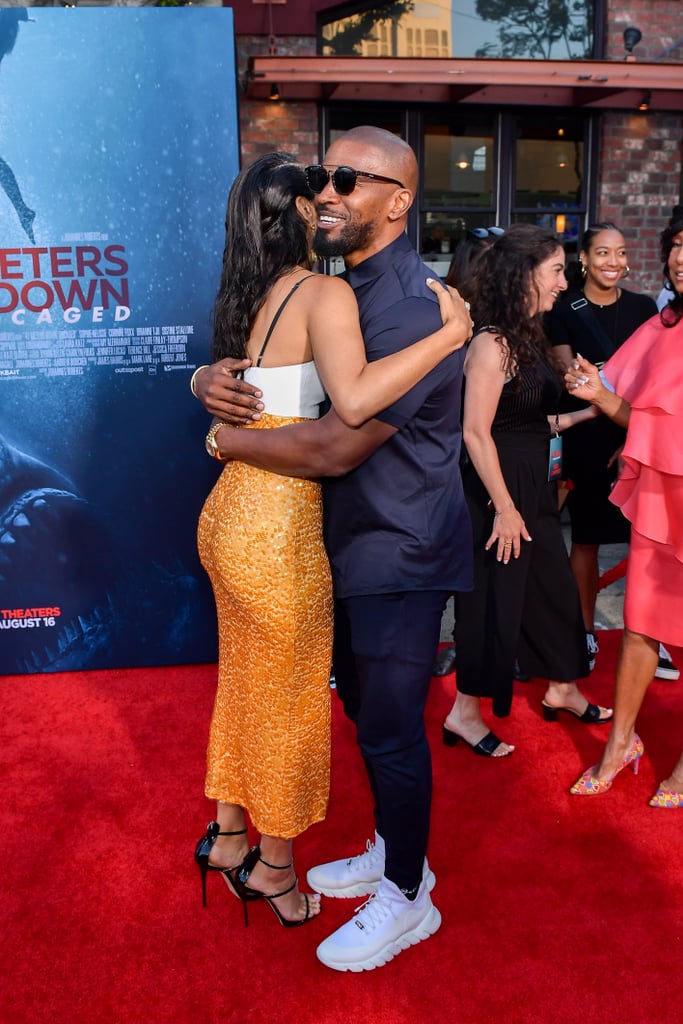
[260, 534]
[646, 376]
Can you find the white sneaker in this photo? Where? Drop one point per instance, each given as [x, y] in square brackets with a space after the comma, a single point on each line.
[665, 666]
[357, 876]
[382, 927]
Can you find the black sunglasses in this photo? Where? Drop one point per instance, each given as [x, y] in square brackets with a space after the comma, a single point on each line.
[343, 179]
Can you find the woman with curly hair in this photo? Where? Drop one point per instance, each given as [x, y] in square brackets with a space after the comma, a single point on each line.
[641, 388]
[525, 602]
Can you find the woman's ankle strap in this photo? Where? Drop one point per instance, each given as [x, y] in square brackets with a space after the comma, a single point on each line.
[277, 867]
[213, 830]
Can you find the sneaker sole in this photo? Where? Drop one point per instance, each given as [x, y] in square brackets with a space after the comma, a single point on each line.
[667, 673]
[360, 888]
[427, 927]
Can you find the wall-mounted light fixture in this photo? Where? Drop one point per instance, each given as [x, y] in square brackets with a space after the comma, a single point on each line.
[462, 162]
[646, 100]
[274, 92]
[632, 36]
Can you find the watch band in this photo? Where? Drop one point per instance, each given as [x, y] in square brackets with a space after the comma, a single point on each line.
[210, 442]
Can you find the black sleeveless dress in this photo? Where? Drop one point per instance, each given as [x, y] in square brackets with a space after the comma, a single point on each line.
[529, 608]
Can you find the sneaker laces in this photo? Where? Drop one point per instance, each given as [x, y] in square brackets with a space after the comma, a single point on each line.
[374, 912]
[366, 861]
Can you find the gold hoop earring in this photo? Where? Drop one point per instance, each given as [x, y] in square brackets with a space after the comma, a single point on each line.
[583, 270]
[627, 270]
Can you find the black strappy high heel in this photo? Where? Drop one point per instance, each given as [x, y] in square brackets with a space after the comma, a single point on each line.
[202, 851]
[248, 895]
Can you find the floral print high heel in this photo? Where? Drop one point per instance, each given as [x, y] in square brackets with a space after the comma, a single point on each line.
[589, 785]
[666, 798]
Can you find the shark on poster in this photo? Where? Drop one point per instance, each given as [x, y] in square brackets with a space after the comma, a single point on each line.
[118, 146]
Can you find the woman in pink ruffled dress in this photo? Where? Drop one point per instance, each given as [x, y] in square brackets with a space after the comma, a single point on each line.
[642, 386]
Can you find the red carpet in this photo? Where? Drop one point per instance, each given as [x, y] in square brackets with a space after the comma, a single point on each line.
[555, 909]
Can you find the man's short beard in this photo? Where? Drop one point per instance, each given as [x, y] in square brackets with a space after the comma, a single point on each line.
[348, 240]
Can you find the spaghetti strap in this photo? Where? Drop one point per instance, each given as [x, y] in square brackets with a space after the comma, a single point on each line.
[277, 316]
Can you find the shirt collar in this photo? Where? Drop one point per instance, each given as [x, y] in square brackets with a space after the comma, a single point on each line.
[377, 264]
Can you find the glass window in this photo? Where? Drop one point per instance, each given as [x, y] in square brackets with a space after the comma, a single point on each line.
[549, 174]
[342, 119]
[457, 179]
[528, 29]
[484, 169]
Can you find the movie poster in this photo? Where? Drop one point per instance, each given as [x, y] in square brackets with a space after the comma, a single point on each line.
[118, 145]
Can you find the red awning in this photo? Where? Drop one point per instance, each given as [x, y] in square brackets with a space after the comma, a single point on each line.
[609, 85]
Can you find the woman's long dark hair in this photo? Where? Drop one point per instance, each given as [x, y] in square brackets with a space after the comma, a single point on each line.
[574, 274]
[265, 236]
[673, 312]
[465, 253]
[503, 286]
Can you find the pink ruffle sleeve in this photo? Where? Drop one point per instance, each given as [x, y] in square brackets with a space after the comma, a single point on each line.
[647, 371]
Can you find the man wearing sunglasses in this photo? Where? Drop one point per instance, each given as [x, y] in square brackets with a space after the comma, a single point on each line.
[397, 534]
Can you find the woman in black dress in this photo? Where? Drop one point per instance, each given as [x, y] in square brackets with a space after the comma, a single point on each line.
[594, 318]
[525, 600]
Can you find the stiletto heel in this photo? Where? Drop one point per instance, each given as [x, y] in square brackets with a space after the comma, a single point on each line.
[203, 849]
[589, 785]
[247, 894]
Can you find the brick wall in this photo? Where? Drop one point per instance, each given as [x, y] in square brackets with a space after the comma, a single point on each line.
[660, 21]
[640, 176]
[640, 154]
[268, 125]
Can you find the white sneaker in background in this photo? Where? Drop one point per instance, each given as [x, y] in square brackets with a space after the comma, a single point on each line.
[592, 648]
[665, 666]
[382, 927]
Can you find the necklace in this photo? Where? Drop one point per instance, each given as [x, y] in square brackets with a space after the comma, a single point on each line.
[608, 320]
[603, 305]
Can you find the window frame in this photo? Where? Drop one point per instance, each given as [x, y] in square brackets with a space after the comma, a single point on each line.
[410, 122]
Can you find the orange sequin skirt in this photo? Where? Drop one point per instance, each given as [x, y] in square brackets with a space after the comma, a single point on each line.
[260, 540]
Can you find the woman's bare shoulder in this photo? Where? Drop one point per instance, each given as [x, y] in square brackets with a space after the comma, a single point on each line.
[487, 348]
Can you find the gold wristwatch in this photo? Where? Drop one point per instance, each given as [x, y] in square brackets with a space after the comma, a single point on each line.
[210, 442]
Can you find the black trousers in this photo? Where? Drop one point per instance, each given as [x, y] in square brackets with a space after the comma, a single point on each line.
[384, 647]
[528, 609]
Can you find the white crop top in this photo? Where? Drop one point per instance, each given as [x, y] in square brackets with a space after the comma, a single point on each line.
[288, 390]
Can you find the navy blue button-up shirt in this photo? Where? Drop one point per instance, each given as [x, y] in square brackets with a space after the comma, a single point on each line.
[399, 521]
